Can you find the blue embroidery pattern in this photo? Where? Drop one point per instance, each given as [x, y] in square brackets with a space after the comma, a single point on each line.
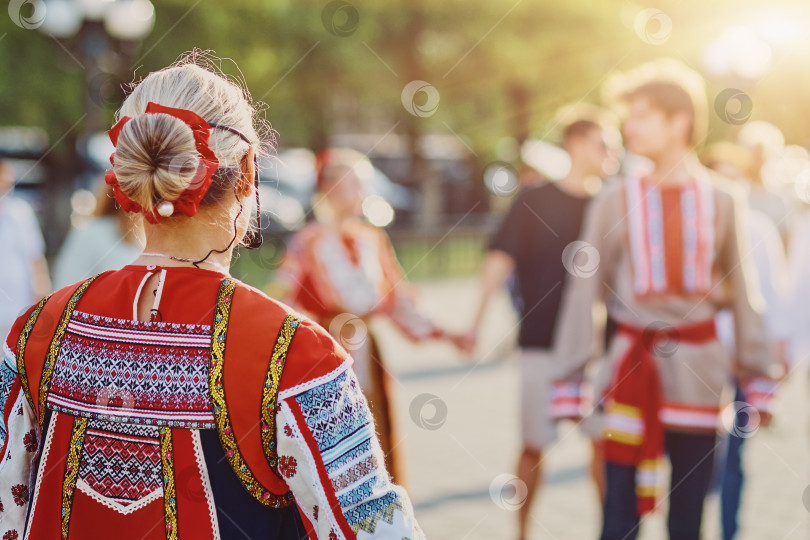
[8, 372]
[338, 416]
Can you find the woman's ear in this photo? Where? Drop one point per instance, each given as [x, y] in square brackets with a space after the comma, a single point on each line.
[248, 173]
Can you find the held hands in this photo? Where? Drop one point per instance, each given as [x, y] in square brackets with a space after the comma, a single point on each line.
[569, 399]
[464, 342]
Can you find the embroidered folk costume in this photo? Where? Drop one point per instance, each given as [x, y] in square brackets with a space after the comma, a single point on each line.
[344, 276]
[201, 427]
[225, 416]
[670, 258]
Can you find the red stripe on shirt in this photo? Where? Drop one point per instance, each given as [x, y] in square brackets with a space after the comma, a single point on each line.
[326, 482]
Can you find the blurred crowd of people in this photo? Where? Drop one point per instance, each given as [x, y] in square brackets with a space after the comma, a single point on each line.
[695, 254]
[659, 282]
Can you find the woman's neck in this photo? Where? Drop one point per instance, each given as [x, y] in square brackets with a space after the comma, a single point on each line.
[170, 244]
[344, 220]
[167, 257]
[130, 231]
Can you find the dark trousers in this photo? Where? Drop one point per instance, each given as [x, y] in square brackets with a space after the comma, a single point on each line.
[732, 480]
[692, 459]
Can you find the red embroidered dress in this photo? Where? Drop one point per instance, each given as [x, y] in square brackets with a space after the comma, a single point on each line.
[229, 417]
[344, 275]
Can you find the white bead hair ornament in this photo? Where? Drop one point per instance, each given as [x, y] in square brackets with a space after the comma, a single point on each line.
[165, 209]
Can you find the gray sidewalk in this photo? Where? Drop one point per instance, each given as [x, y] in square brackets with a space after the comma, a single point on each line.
[461, 431]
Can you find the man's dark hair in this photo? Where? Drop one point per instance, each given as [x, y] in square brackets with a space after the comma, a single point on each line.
[671, 98]
[578, 128]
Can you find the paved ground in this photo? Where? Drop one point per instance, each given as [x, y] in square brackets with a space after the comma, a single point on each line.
[461, 433]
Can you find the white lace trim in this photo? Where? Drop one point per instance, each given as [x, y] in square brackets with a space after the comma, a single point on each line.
[43, 461]
[206, 481]
[112, 504]
[317, 381]
[325, 507]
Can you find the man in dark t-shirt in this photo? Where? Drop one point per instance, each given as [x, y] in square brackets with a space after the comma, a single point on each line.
[542, 221]
[536, 245]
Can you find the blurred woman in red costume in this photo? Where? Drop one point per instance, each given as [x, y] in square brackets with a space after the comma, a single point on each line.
[342, 271]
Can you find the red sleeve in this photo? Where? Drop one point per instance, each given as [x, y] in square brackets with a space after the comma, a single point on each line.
[16, 329]
[312, 355]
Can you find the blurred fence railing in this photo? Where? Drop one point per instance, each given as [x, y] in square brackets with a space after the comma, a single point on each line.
[439, 254]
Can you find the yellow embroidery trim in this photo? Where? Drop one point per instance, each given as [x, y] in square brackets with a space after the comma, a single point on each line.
[647, 472]
[22, 341]
[632, 439]
[649, 465]
[646, 491]
[624, 410]
[169, 488]
[270, 391]
[221, 415]
[72, 470]
[628, 413]
[53, 350]
[369, 523]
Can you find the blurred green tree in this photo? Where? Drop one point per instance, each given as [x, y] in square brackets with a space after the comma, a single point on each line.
[501, 68]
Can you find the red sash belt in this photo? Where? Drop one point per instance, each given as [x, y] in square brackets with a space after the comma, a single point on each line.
[634, 433]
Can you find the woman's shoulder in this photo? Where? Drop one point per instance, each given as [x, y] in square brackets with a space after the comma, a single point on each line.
[312, 355]
[48, 310]
[314, 358]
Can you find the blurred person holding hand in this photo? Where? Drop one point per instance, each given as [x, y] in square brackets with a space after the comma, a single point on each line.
[543, 221]
[342, 271]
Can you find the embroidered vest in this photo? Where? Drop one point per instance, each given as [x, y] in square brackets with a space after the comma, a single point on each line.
[251, 454]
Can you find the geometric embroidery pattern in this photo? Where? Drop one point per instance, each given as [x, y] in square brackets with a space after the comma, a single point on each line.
[338, 417]
[121, 461]
[148, 372]
[8, 374]
[336, 413]
[55, 346]
[354, 474]
[287, 466]
[366, 516]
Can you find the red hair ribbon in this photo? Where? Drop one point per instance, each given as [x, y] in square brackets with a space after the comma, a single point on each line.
[189, 200]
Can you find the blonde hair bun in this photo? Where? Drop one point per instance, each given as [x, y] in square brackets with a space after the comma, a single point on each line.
[156, 159]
